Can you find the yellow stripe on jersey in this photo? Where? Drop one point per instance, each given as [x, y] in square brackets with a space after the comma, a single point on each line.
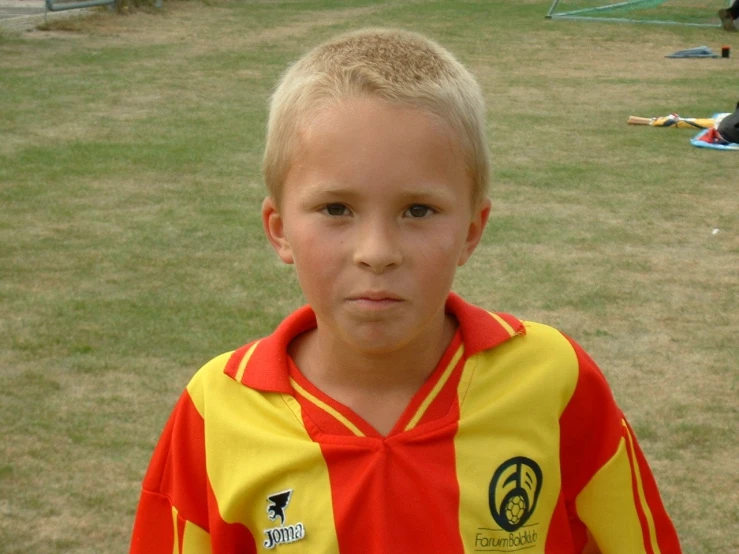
[606, 506]
[640, 489]
[325, 407]
[248, 436]
[195, 540]
[176, 541]
[511, 398]
[242, 365]
[503, 323]
[436, 390]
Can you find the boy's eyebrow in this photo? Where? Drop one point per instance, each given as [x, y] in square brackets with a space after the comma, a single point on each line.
[412, 194]
[320, 190]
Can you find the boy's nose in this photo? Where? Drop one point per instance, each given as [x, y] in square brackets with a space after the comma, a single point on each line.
[377, 247]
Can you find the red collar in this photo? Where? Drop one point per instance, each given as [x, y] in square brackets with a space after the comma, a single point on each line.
[267, 366]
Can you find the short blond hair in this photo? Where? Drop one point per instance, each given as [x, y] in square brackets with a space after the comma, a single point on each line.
[400, 67]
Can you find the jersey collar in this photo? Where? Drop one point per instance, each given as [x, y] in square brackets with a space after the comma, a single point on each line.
[263, 365]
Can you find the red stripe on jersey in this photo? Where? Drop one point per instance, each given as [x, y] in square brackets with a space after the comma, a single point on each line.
[177, 477]
[382, 491]
[152, 529]
[381, 487]
[441, 404]
[601, 430]
[559, 537]
[184, 479]
[314, 415]
[180, 532]
[578, 531]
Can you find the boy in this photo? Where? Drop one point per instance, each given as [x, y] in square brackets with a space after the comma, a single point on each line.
[390, 416]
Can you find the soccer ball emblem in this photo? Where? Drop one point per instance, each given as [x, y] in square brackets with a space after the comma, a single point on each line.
[513, 492]
[515, 509]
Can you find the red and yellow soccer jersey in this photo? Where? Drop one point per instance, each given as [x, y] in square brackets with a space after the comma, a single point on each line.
[514, 444]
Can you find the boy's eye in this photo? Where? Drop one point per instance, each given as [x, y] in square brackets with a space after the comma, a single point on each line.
[335, 209]
[419, 211]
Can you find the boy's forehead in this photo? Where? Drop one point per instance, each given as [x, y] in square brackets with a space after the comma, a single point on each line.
[346, 149]
[369, 116]
[345, 141]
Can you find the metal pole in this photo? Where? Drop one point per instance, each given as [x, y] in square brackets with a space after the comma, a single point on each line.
[52, 7]
[552, 8]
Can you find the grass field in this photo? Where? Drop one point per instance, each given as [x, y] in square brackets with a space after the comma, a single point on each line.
[131, 250]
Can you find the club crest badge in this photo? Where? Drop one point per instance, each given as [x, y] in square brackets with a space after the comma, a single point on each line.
[514, 490]
[284, 534]
[512, 497]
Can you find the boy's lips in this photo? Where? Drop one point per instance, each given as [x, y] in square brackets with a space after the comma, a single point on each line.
[374, 300]
[375, 296]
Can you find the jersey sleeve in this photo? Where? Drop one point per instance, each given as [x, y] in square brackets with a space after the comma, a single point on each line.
[172, 516]
[610, 493]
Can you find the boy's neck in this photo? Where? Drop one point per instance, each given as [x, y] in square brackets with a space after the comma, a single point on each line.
[378, 388]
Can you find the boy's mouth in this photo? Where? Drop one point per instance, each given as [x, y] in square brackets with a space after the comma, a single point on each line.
[376, 296]
[375, 300]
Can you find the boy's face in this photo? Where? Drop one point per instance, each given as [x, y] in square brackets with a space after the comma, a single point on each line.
[376, 215]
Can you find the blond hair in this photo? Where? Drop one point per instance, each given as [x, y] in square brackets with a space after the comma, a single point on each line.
[400, 67]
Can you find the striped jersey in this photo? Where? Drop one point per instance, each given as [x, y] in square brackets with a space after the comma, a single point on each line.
[513, 444]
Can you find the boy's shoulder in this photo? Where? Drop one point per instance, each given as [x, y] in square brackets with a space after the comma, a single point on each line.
[209, 376]
[224, 376]
[484, 330]
[214, 367]
[542, 335]
[260, 363]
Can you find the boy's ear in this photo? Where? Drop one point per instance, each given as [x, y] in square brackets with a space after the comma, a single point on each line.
[274, 227]
[475, 230]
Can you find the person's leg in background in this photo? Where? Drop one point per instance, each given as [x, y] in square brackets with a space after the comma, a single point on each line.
[728, 15]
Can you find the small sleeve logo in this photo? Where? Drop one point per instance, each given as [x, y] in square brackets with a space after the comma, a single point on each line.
[514, 490]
